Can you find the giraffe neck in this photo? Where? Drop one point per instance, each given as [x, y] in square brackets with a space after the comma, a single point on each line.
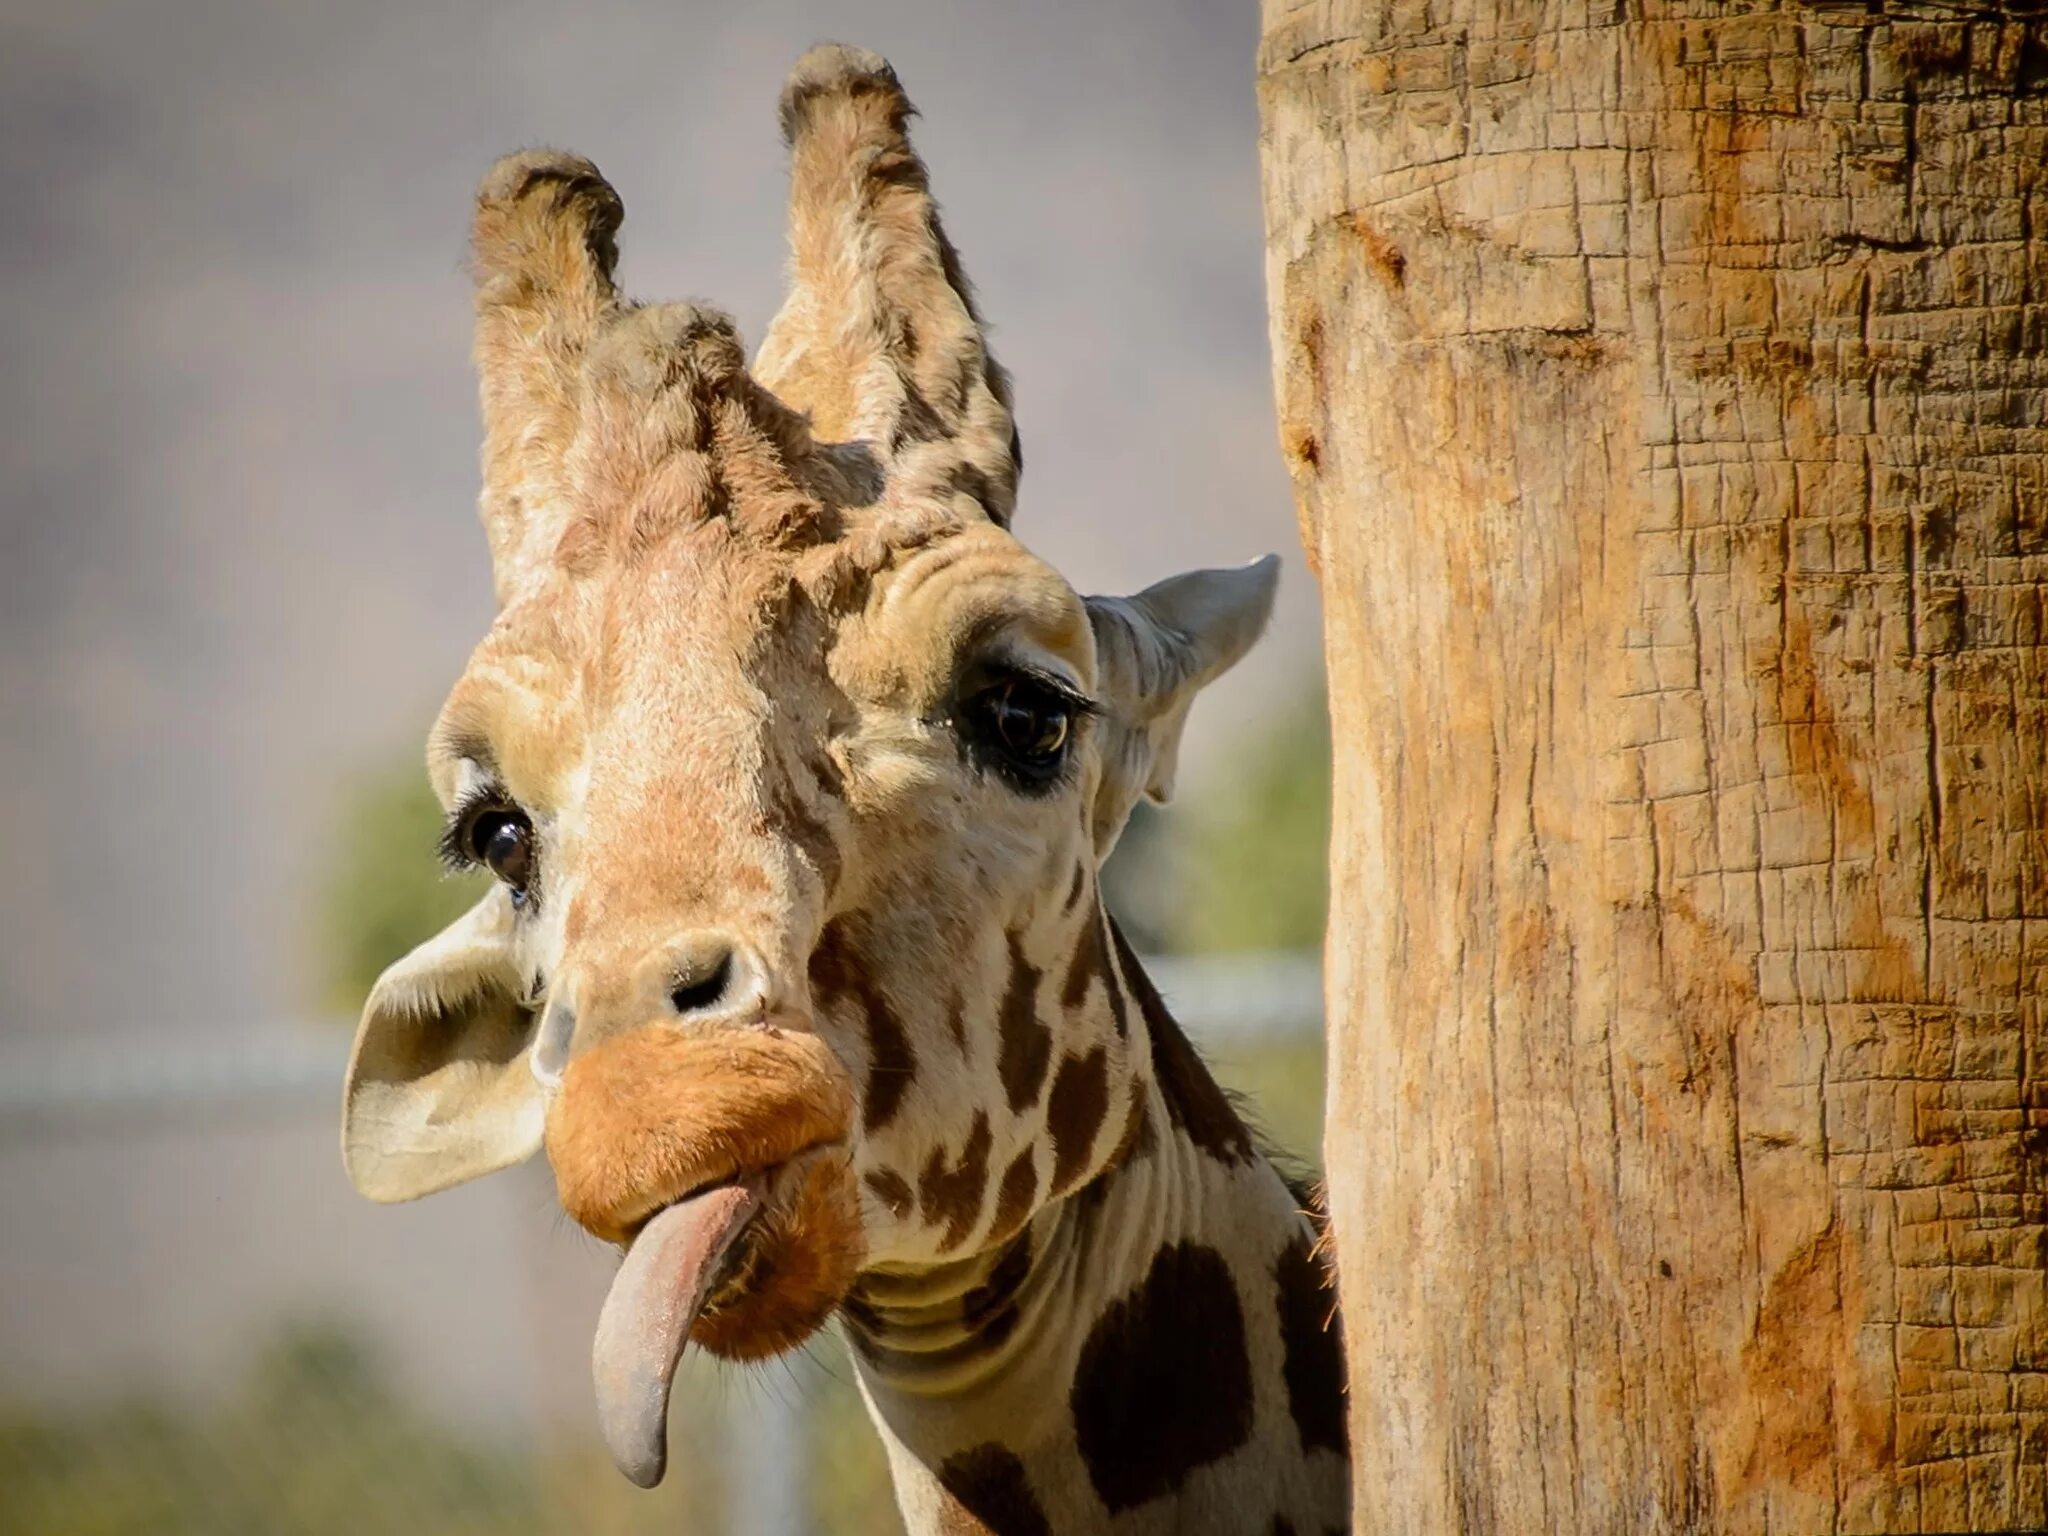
[1149, 1353]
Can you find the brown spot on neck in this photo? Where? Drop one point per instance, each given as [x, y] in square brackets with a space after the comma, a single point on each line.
[892, 1189]
[837, 975]
[1164, 1382]
[950, 1193]
[805, 826]
[1135, 1143]
[985, 1492]
[891, 1066]
[1015, 1196]
[1137, 1140]
[956, 1021]
[1083, 966]
[1313, 1367]
[1074, 1114]
[1090, 960]
[989, 1310]
[1080, 884]
[1025, 1044]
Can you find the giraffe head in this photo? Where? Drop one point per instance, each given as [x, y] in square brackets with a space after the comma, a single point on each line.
[794, 766]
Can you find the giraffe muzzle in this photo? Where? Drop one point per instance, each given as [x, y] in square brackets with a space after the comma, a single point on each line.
[657, 1114]
[716, 1157]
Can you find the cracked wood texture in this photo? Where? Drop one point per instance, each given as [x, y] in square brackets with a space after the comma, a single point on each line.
[1664, 387]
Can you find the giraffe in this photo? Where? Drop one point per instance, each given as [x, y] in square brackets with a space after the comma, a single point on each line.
[795, 769]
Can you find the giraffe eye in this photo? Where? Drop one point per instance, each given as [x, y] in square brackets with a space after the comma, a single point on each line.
[504, 841]
[1024, 726]
[487, 830]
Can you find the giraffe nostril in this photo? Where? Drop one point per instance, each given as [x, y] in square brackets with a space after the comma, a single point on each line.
[705, 987]
[551, 1042]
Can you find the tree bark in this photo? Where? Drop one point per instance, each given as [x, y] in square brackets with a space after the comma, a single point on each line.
[1666, 392]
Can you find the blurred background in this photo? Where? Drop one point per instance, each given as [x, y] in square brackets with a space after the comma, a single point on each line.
[239, 566]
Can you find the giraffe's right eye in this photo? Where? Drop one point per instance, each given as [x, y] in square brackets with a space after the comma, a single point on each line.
[497, 835]
[1023, 726]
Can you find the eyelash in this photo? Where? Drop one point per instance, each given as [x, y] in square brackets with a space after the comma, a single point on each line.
[454, 850]
[988, 758]
[1079, 705]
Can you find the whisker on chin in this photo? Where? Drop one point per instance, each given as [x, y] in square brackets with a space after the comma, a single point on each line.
[825, 1364]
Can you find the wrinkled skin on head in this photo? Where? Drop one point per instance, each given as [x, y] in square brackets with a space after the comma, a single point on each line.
[795, 765]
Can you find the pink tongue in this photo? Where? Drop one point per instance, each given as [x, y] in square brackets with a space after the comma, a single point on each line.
[646, 1318]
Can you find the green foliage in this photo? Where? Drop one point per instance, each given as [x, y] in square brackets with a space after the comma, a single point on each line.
[1245, 865]
[1258, 859]
[317, 1441]
[1279, 1085]
[313, 1443]
[385, 890]
[844, 1463]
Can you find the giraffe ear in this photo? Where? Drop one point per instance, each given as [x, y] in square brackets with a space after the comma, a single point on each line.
[1153, 653]
[439, 1090]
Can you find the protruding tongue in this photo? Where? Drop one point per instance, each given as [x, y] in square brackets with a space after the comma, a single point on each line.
[646, 1318]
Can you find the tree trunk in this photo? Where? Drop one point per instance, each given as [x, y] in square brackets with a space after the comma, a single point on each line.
[1664, 388]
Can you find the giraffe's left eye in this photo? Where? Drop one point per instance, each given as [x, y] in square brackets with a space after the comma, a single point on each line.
[504, 841]
[1023, 726]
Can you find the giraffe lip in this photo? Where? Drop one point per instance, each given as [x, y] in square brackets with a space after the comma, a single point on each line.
[630, 1233]
[763, 1180]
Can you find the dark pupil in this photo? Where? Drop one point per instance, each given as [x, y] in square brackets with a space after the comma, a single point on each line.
[1029, 724]
[506, 844]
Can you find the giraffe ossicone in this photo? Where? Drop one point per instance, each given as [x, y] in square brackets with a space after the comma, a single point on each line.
[796, 769]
